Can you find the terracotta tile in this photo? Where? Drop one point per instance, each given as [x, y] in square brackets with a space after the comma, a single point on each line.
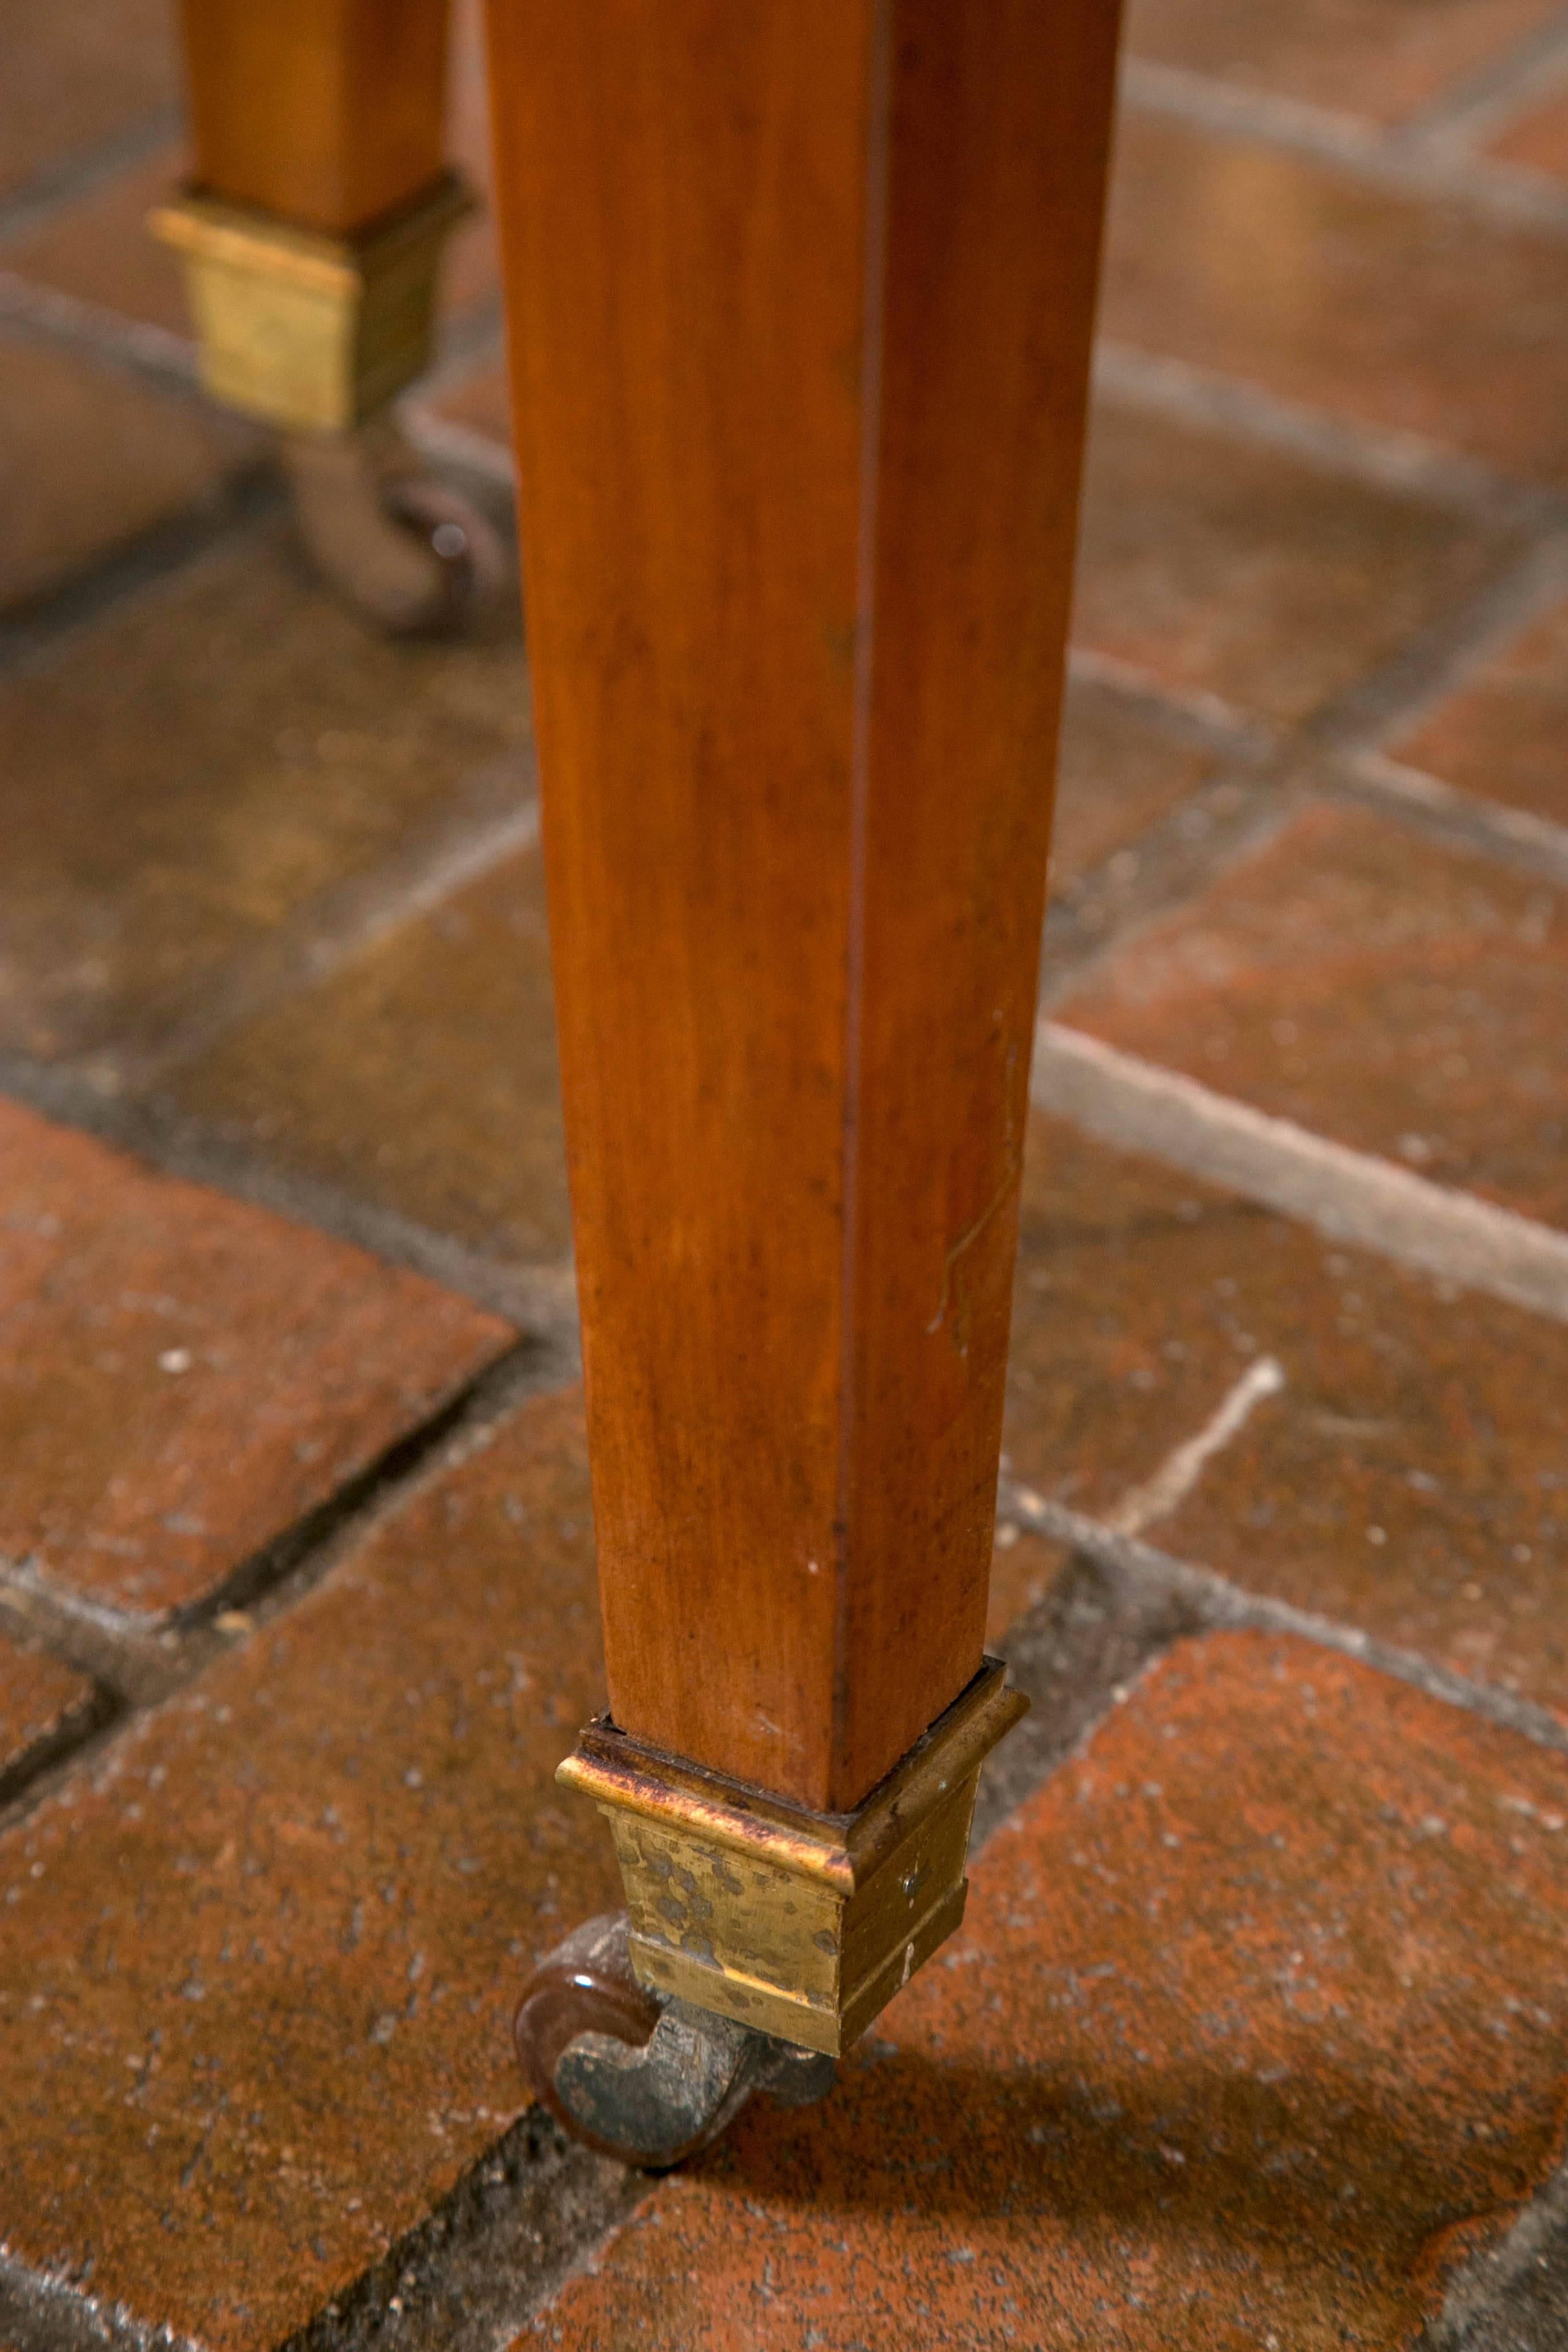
[467, 97]
[1409, 1479]
[79, 75]
[1119, 776]
[480, 402]
[176, 783]
[37, 1696]
[1234, 571]
[1539, 139]
[1502, 735]
[472, 271]
[90, 459]
[182, 1376]
[1407, 999]
[96, 248]
[1254, 2026]
[1381, 59]
[1119, 1351]
[422, 1077]
[267, 1952]
[1414, 315]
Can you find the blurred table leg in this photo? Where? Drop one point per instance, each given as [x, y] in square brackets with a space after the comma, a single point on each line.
[311, 233]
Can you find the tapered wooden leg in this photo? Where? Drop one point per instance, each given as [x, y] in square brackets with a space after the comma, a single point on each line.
[800, 297]
[311, 233]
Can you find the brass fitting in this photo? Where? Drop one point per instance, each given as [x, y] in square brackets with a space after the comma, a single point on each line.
[312, 333]
[799, 1924]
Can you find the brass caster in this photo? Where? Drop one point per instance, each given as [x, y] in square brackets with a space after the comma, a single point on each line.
[640, 2076]
[405, 549]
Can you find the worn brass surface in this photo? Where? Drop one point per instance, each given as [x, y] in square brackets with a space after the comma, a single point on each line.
[801, 1924]
[313, 333]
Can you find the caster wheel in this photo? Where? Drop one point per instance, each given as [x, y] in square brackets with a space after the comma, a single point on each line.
[406, 551]
[638, 2077]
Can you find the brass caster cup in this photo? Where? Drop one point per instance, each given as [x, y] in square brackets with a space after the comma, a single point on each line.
[406, 551]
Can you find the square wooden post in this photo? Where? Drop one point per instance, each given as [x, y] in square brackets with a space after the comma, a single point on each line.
[800, 295]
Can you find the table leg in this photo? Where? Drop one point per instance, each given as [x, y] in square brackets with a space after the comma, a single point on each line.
[311, 234]
[800, 299]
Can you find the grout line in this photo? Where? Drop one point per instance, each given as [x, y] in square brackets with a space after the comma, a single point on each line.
[466, 341]
[524, 2219]
[85, 1723]
[1349, 1196]
[491, 817]
[142, 1661]
[1407, 465]
[33, 204]
[32, 633]
[1456, 818]
[41, 2311]
[1506, 194]
[1181, 1469]
[1439, 657]
[1474, 109]
[125, 1650]
[293, 1564]
[538, 1296]
[1178, 855]
[44, 313]
[1077, 1651]
[1222, 1604]
[1194, 713]
[438, 438]
[1511, 2296]
[1334, 753]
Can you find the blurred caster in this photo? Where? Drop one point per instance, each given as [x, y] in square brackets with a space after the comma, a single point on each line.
[639, 2077]
[403, 548]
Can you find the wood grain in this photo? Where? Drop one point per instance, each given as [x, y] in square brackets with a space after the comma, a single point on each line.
[800, 297]
[327, 113]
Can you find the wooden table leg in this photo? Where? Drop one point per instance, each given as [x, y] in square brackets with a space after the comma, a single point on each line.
[800, 297]
[311, 233]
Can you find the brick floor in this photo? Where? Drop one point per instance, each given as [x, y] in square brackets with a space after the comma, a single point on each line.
[1120, 777]
[1256, 2022]
[1369, 57]
[1539, 139]
[1284, 271]
[231, 747]
[424, 1077]
[96, 248]
[265, 1951]
[480, 403]
[1409, 1479]
[91, 460]
[1408, 999]
[182, 1376]
[1255, 2032]
[1245, 573]
[37, 1698]
[1501, 734]
[78, 76]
